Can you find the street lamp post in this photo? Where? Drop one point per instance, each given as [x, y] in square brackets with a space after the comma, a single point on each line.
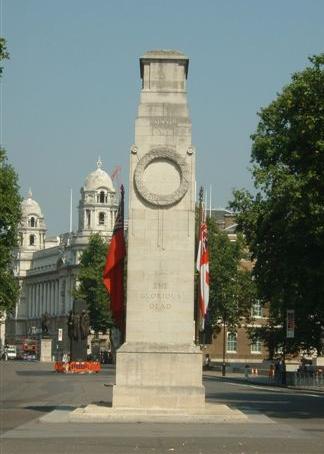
[224, 349]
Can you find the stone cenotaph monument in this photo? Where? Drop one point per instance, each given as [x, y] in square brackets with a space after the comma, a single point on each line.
[159, 367]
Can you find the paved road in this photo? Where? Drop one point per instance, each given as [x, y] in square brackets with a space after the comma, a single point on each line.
[280, 420]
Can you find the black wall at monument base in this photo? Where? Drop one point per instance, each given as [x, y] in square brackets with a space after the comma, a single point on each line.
[78, 330]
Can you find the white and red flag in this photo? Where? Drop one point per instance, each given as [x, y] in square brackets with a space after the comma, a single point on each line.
[113, 275]
[203, 270]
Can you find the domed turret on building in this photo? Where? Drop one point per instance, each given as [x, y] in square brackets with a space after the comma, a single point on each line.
[98, 179]
[32, 229]
[98, 205]
[30, 206]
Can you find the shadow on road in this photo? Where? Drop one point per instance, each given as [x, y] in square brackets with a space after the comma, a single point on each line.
[35, 373]
[40, 408]
[281, 404]
[102, 403]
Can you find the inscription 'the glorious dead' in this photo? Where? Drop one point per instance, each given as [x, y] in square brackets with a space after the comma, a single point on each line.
[159, 298]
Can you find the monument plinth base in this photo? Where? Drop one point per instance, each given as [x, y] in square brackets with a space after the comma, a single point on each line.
[46, 349]
[151, 376]
[212, 413]
[150, 397]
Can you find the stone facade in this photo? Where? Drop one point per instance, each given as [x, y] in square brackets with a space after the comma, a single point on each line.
[47, 268]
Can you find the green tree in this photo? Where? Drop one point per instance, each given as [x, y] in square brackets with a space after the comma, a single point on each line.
[4, 54]
[91, 288]
[10, 215]
[283, 221]
[232, 290]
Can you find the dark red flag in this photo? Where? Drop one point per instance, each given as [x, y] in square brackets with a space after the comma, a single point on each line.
[113, 275]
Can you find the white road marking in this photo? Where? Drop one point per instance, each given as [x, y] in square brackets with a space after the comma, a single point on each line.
[273, 389]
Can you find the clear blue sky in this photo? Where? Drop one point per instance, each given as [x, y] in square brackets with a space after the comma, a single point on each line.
[71, 88]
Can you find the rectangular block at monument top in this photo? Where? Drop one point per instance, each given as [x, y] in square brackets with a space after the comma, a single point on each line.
[159, 366]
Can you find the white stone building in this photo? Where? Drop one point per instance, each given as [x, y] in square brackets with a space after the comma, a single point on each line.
[47, 268]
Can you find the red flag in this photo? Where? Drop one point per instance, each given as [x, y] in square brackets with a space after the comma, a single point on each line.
[113, 275]
[203, 269]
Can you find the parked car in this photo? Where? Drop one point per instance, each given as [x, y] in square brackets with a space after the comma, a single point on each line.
[29, 356]
[11, 352]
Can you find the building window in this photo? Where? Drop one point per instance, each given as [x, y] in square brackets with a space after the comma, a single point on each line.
[88, 214]
[231, 342]
[32, 222]
[31, 240]
[101, 218]
[256, 346]
[21, 239]
[256, 309]
[102, 197]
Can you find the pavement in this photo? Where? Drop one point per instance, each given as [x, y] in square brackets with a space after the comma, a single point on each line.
[280, 420]
[264, 380]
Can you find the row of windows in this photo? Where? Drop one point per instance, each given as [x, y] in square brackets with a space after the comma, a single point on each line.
[231, 346]
[101, 218]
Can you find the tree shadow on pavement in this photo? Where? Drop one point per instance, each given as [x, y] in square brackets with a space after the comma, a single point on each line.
[36, 373]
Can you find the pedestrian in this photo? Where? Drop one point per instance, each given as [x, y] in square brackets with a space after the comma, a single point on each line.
[271, 372]
[207, 361]
[277, 371]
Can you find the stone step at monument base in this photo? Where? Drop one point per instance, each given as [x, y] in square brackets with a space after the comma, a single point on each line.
[211, 413]
[147, 397]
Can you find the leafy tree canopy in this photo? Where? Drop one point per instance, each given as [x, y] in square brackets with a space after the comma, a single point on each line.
[10, 215]
[283, 221]
[91, 288]
[3, 52]
[232, 290]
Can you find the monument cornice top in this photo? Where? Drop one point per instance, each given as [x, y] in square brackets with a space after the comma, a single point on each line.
[161, 53]
[164, 55]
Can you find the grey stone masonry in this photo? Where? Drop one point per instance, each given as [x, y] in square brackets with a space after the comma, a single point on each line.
[159, 366]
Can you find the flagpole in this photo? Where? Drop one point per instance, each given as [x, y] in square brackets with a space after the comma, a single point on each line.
[197, 314]
[71, 210]
[122, 195]
[210, 201]
[206, 205]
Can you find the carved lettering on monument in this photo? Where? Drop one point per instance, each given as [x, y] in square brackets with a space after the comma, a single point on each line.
[152, 295]
[164, 126]
[160, 285]
[164, 122]
[159, 299]
[157, 131]
[160, 307]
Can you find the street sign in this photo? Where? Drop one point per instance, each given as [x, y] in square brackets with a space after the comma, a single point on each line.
[290, 324]
[60, 334]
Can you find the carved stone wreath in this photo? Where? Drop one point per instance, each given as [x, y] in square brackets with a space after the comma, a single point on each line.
[173, 158]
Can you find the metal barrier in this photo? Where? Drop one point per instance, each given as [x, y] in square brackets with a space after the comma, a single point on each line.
[299, 379]
[312, 379]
